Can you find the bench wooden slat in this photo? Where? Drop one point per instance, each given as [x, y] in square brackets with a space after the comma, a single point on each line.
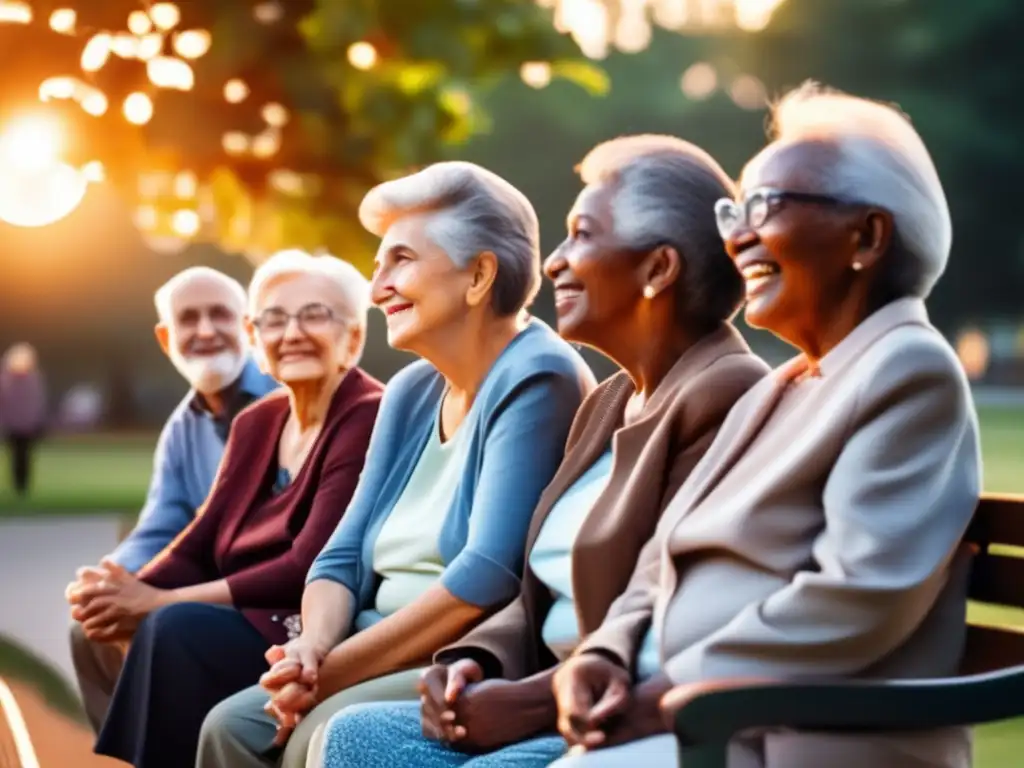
[992, 648]
[997, 579]
[999, 519]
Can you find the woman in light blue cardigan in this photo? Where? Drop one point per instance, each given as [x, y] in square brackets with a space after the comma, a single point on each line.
[466, 440]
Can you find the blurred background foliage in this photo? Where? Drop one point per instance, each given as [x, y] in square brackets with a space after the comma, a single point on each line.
[290, 112]
[337, 95]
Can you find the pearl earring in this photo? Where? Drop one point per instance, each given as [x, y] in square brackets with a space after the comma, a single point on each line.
[649, 292]
[857, 266]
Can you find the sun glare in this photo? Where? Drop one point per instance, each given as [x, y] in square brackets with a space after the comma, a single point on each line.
[30, 144]
[36, 187]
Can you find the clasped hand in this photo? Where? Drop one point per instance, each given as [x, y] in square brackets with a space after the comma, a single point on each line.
[598, 705]
[470, 714]
[292, 683]
[109, 601]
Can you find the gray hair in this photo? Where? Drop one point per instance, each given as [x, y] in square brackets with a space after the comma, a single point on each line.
[881, 161]
[665, 194]
[162, 297]
[473, 211]
[348, 281]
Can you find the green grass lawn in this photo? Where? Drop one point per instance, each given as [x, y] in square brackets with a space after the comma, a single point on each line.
[110, 473]
[84, 473]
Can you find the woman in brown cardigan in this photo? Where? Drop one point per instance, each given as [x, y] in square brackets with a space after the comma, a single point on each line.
[643, 278]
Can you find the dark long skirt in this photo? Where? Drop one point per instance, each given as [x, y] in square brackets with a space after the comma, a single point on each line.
[184, 660]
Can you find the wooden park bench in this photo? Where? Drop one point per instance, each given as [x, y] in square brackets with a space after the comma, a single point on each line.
[16, 749]
[990, 688]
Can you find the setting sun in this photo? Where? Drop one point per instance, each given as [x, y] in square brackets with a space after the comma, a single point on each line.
[36, 187]
[33, 142]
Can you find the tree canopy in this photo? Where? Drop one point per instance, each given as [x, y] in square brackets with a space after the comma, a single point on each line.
[260, 124]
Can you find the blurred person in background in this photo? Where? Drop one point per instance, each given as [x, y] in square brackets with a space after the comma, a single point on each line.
[80, 409]
[22, 410]
[202, 614]
[200, 327]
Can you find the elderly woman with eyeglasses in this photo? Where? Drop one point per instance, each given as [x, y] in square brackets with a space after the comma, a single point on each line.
[468, 438]
[820, 536]
[202, 614]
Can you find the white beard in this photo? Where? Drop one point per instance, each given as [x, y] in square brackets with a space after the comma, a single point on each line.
[209, 374]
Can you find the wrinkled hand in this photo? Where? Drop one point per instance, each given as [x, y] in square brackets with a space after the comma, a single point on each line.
[288, 706]
[291, 682]
[84, 576]
[297, 660]
[642, 716]
[440, 687]
[496, 713]
[589, 689]
[110, 604]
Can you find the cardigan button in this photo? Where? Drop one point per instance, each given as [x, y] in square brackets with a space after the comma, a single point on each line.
[275, 617]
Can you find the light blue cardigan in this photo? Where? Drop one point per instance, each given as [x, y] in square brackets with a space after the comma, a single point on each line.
[523, 413]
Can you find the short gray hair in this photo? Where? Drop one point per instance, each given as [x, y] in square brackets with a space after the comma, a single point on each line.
[665, 194]
[881, 161]
[162, 297]
[473, 211]
[346, 279]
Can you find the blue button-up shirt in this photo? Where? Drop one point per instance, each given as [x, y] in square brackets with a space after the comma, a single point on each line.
[188, 454]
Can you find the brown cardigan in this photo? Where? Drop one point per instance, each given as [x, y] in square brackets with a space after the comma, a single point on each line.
[652, 458]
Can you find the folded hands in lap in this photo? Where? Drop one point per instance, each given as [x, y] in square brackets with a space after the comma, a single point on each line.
[470, 714]
[291, 682]
[109, 601]
[598, 705]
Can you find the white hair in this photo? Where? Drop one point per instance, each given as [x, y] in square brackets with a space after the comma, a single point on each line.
[473, 211]
[665, 190]
[882, 161]
[163, 295]
[349, 282]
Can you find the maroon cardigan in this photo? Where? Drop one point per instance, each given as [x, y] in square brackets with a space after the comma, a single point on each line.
[260, 543]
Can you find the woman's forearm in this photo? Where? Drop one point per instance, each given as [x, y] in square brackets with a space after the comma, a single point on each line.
[212, 592]
[404, 639]
[328, 610]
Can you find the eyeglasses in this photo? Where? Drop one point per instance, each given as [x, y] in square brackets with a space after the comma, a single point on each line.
[312, 318]
[759, 205]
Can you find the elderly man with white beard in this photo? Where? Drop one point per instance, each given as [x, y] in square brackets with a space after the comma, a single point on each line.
[200, 329]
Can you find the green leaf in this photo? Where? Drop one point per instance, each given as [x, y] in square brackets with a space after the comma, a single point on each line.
[413, 78]
[587, 76]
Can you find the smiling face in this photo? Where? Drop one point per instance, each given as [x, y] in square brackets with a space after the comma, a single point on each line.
[421, 291]
[300, 328]
[203, 334]
[797, 263]
[597, 280]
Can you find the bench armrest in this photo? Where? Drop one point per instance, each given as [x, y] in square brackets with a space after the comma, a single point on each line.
[705, 718]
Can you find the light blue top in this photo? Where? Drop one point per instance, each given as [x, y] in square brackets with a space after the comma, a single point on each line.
[551, 556]
[406, 554]
[648, 664]
[525, 406]
[187, 456]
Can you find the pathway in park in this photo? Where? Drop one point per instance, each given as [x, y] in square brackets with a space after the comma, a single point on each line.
[38, 557]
